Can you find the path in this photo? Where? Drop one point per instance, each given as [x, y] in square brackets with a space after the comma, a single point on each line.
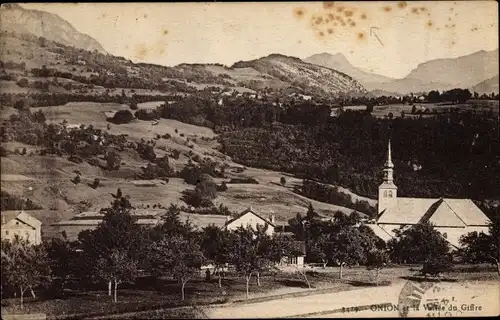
[482, 295]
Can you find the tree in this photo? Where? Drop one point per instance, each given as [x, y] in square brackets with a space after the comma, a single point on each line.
[346, 246]
[113, 160]
[479, 247]
[117, 268]
[63, 259]
[122, 116]
[283, 181]
[216, 247]
[24, 266]
[376, 259]
[417, 244]
[251, 253]
[177, 256]
[112, 251]
[77, 179]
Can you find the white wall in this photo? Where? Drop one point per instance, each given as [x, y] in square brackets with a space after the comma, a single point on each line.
[249, 219]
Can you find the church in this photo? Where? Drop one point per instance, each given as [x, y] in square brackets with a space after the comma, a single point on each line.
[451, 217]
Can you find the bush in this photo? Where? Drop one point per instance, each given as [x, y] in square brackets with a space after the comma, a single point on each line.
[96, 183]
[77, 179]
[122, 116]
[23, 83]
[222, 187]
[175, 154]
[283, 181]
[436, 266]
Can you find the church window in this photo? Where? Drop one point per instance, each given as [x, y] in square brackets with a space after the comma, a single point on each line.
[390, 194]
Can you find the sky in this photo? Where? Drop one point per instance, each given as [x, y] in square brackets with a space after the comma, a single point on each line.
[388, 38]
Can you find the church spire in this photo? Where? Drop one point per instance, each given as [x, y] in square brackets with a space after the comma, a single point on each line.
[388, 163]
[388, 166]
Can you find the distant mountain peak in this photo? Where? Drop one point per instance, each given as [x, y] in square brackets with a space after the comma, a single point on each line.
[47, 25]
[339, 62]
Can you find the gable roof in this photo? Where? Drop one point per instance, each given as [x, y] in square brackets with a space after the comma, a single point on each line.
[406, 211]
[419, 210]
[9, 215]
[249, 210]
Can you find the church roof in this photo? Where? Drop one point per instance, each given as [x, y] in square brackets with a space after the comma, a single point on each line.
[441, 212]
[387, 185]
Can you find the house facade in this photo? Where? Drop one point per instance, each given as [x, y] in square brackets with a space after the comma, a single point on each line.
[451, 217]
[22, 225]
[250, 218]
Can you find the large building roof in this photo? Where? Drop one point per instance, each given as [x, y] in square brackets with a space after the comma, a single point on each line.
[23, 216]
[441, 212]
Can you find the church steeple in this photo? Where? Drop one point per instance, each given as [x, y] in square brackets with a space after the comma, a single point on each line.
[387, 191]
[388, 167]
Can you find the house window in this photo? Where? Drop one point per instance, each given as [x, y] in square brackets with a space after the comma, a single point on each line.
[390, 194]
[385, 194]
[6, 232]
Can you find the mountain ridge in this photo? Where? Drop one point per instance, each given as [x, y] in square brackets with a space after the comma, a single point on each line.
[47, 25]
[340, 63]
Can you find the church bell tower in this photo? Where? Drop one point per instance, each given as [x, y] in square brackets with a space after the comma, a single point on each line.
[387, 191]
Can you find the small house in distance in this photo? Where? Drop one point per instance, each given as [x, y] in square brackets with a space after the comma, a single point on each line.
[250, 218]
[21, 224]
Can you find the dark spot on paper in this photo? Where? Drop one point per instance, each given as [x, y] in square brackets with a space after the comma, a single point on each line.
[414, 10]
[423, 9]
[363, 16]
[339, 9]
[449, 19]
[453, 42]
[429, 23]
[328, 4]
[299, 13]
[402, 4]
[145, 16]
[453, 25]
[331, 16]
[387, 8]
[321, 34]
[348, 13]
[361, 35]
[353, 24]
[330, 30]
[165, 32]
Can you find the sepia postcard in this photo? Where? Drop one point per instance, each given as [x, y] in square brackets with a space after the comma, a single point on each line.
[250, 160]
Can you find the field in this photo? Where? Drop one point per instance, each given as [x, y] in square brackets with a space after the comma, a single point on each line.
[396, 109]
[156, 298]
[52, 188]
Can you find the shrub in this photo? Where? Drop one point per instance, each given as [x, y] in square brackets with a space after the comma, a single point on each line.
[122, 116]
[96, 183]
[23, 83]
[222, 187]
[77, 179]
[436, 266]
[283, 181]
[175, 154]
